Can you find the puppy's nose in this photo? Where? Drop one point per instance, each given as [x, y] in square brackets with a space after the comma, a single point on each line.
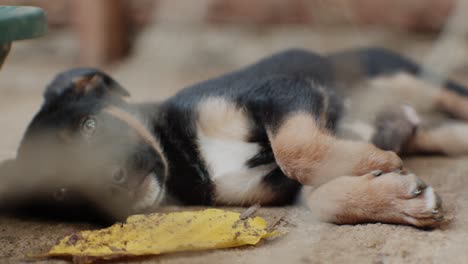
[60, 194]
[119, 176]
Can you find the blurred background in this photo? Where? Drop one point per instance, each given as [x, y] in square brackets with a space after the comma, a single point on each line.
[156, 47]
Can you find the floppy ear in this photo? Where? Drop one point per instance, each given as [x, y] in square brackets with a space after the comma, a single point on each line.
[84, 81]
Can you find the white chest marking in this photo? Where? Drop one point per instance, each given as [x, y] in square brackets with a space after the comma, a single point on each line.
[222, 129]
[236, 184]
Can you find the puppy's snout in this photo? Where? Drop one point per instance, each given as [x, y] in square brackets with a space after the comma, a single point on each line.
[119, 176]
[60, 194]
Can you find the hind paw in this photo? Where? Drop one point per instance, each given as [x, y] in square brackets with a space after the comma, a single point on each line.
[395, 127]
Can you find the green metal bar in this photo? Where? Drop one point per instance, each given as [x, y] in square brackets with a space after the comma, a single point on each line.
[21, 22]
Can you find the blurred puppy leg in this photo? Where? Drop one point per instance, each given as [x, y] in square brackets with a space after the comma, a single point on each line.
[395, 127]
[448, 139]
[453, 104]
[397, 130]
[375, 197]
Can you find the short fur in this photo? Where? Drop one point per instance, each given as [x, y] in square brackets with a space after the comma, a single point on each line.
[256, 135]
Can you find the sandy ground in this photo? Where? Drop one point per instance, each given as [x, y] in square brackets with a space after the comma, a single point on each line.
[167, 60]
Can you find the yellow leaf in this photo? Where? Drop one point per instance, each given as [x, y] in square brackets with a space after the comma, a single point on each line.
[162, 233]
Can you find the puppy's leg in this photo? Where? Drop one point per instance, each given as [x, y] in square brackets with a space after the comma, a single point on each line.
[395, 128]
[452, 103]
[307, 153]
[388, 198]
[449, 139]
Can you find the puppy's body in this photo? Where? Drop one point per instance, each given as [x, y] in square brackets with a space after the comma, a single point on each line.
[254, 136]
[221, 126]
[215, 132]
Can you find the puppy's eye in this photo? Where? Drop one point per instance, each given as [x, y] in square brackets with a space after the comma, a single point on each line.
[119, 176]
[88, 126]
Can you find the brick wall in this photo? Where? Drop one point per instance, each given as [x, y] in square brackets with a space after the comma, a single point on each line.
[420, 15]
[59, 12]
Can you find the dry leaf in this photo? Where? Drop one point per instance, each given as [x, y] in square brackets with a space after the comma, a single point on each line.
[162, 233]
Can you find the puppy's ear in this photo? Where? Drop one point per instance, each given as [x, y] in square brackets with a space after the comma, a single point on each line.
[84, 81]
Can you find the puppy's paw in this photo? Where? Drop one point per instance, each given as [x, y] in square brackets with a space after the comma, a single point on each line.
[395, 198]
[403, 199]
[377, 159]
[395, 127]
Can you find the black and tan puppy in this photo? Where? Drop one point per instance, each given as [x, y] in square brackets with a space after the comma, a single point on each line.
[252, 136]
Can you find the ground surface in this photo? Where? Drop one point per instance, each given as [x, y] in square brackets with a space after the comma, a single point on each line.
[164, 62]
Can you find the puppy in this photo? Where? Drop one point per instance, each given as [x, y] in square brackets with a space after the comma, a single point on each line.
[337, 122]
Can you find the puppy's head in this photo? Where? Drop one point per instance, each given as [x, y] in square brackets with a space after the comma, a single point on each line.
[87, 141]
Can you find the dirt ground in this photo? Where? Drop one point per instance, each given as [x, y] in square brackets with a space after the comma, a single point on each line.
[165, 61]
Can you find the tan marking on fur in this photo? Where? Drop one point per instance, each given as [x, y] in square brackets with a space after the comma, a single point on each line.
[219, 118]
[222, 130]
[374, 158]
[300, 146]
[424, 142]
[449, 139]
[310, 155]
[363, 199]
[453, 103]
[85, 84]
[346, 157]
[144, 133]
[80, 83]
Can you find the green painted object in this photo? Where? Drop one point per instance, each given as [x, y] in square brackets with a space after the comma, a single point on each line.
[21, 22]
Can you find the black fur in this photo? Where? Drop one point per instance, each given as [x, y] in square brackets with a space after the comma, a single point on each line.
[268, 91]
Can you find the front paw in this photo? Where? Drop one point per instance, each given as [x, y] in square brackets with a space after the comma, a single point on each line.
[404, 199]
[376, 159]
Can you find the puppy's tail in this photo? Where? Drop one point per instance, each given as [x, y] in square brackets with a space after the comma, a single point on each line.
[373, 62]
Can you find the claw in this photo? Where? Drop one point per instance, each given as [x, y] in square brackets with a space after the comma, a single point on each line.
[438, 202]
[439, 218]
[420, 186]
[438, 211]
